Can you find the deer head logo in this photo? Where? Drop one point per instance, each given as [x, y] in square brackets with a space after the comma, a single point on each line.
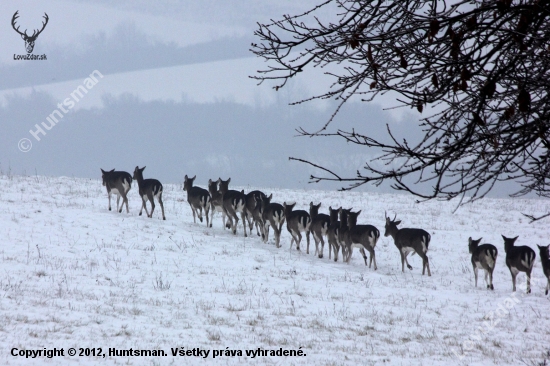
[29, 40]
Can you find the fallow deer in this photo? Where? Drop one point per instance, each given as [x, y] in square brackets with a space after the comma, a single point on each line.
[545, 260]
[319, 227]
[119, 183]
[297, 222]
[332, 232]
[233, 202]
[253, 215]
[484, 257]
[198, 198]
[362, 237]
[409, 240]
[216, 200]
[273, 214]
[148, 190]
[519, 259]
[342, 231]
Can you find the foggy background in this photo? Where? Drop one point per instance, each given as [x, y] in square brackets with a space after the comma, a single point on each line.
[176, 96]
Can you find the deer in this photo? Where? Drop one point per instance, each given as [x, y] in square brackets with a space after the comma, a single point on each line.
[484, 257]
[545, 261]
[29, 40]
[119, 183]
[363, 237]
[319, 227]
[148, 190]
[252, 206]
[332, 232]
[216, 200]
[341, 232]
[233, 202]
[409, 240]
[519, 259]
[296, 222]
[198, 198]
[272, 214]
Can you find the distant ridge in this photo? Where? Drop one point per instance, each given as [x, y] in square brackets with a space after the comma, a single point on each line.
[114, 57]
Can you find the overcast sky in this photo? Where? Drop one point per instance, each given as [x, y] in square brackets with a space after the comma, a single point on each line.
[174, 94]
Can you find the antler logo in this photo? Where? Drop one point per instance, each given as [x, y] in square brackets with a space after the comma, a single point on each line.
[29, 40]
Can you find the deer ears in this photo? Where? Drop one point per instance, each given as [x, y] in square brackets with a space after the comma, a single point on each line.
[358, 212]
[270, 196]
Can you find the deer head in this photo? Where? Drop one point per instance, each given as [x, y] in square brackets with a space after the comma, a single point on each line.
[29, 40]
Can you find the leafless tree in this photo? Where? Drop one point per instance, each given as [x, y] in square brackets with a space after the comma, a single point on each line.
[483, 64]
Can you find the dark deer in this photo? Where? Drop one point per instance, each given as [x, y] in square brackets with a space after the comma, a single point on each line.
[319, 227]
[363, 237]
[545, 260]
[119, 183]
[148, 190]
[29, 40]
[519, 259]
[273, 214]
[409, 240]
[484, 257]
[332, 232]
[253, 215]
[216, 200]
[233, 202]
[297, 222]
[198, 198]
[341, 232]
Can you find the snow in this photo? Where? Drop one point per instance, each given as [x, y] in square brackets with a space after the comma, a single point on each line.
[77, 275]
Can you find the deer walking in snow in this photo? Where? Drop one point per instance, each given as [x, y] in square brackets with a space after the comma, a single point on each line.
[409, 240]
[319, 227]
[252, 207]
[198, 198]
[149, 189]
[484, 257]
[363, 237]
[233, 202]
[545, 261]
[119, 183]
[519, 259]
[273, 214]
[297, 222]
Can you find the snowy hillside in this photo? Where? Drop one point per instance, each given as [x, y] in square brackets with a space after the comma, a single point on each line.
[77, 275]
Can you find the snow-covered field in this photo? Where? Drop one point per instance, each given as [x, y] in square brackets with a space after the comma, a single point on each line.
[74, 274]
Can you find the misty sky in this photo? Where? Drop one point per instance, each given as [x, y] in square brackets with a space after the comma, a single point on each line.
[174, 95]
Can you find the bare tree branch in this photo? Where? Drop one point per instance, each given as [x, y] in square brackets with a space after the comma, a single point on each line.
[485, 64]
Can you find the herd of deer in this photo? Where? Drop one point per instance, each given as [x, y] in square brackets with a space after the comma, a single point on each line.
[340, 227]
